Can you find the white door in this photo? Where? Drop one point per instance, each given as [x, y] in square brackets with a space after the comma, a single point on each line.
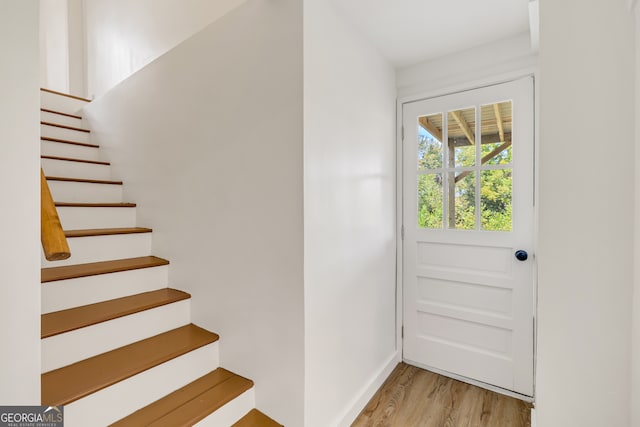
[468, 234]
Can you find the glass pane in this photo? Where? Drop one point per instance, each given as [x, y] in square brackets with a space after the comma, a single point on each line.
[495, 199]
[430, 153]
[430, 201]
[461, 126]
[496, 133]
[462, 200]
[497, 153]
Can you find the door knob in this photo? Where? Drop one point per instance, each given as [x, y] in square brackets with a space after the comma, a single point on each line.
[521, 255]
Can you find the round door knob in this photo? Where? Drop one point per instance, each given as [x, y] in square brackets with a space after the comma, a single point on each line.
[521, 255]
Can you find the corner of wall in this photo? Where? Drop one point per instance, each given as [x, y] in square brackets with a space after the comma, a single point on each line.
[349, 217]
[20, 188]
[368, 390]
[585, 325]
[635, 338]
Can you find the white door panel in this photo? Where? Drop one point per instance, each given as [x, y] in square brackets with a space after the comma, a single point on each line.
[467, 208]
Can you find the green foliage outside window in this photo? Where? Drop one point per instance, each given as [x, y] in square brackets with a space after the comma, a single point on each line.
[495, 189]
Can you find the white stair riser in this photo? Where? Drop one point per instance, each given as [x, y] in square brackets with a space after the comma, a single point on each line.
[85, 192]
[64, 104]
[104, 248]
[231, 412]
[63, 133]
[60, 119]
[64, 294]
[119, 400]
[65, 349]
[70, 169]
[80, 218]
[59, 149]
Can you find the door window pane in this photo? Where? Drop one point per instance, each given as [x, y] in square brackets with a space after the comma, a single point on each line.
[462, 200]
[461, 134]
[495, 137]
[470, 167]
[497, 153]
[430, 200]
[430, 154]
[495, 199]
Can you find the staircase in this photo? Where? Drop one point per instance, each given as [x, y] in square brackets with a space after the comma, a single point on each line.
[118, 347]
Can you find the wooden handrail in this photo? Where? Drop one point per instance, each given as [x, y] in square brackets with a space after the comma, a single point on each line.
[54, 242]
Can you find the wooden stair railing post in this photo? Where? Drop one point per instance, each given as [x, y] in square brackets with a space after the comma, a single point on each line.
[54, 242]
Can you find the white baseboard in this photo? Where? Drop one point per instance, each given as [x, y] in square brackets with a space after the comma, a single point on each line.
[533, 417]
[365, 394]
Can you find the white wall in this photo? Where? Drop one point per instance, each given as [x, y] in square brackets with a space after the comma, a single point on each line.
[123, 35]
[54, 45]
[208, 140]
[349, 205]
[489, 63]
[586, 213]
[76, 48]
[20, 190]
[62, 64]
[635, 396]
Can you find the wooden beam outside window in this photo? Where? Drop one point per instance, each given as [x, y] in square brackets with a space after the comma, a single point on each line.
[496, 110]
[430, 127]
[457, 116]
[486, 158]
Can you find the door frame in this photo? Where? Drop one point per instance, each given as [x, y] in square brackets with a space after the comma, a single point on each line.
[449, 90]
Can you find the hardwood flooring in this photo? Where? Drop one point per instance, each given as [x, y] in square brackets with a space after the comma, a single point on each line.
[413, 397]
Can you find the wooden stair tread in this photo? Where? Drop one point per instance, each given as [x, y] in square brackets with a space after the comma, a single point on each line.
[95, 205]
[106, 231]
[70, 383]
[69, 159]
[66, 141]
[255, 418]
[90, 181]
[47, 110]
[65, 94]
[191, 403]
[52, 274]
[79, 317]
[64, 126]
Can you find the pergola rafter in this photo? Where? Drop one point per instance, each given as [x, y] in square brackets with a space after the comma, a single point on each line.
[463, 135]
[498, 114]
[466, 129]
[431, 128]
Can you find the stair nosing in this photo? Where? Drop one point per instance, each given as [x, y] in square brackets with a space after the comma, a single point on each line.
[70, 159]
[256, 413]
[83, 180]
[66, 141]
[116, 308]
[79, 98]
[66, 272]
[48, 110]
[92, 232]
[241, 385]
[190, 338]
[174, 401]
[44, 123]
[94, 205]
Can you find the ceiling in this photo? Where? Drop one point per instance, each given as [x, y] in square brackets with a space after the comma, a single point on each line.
[411, 31]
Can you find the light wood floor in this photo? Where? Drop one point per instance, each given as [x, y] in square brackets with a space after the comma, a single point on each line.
[413, 397]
